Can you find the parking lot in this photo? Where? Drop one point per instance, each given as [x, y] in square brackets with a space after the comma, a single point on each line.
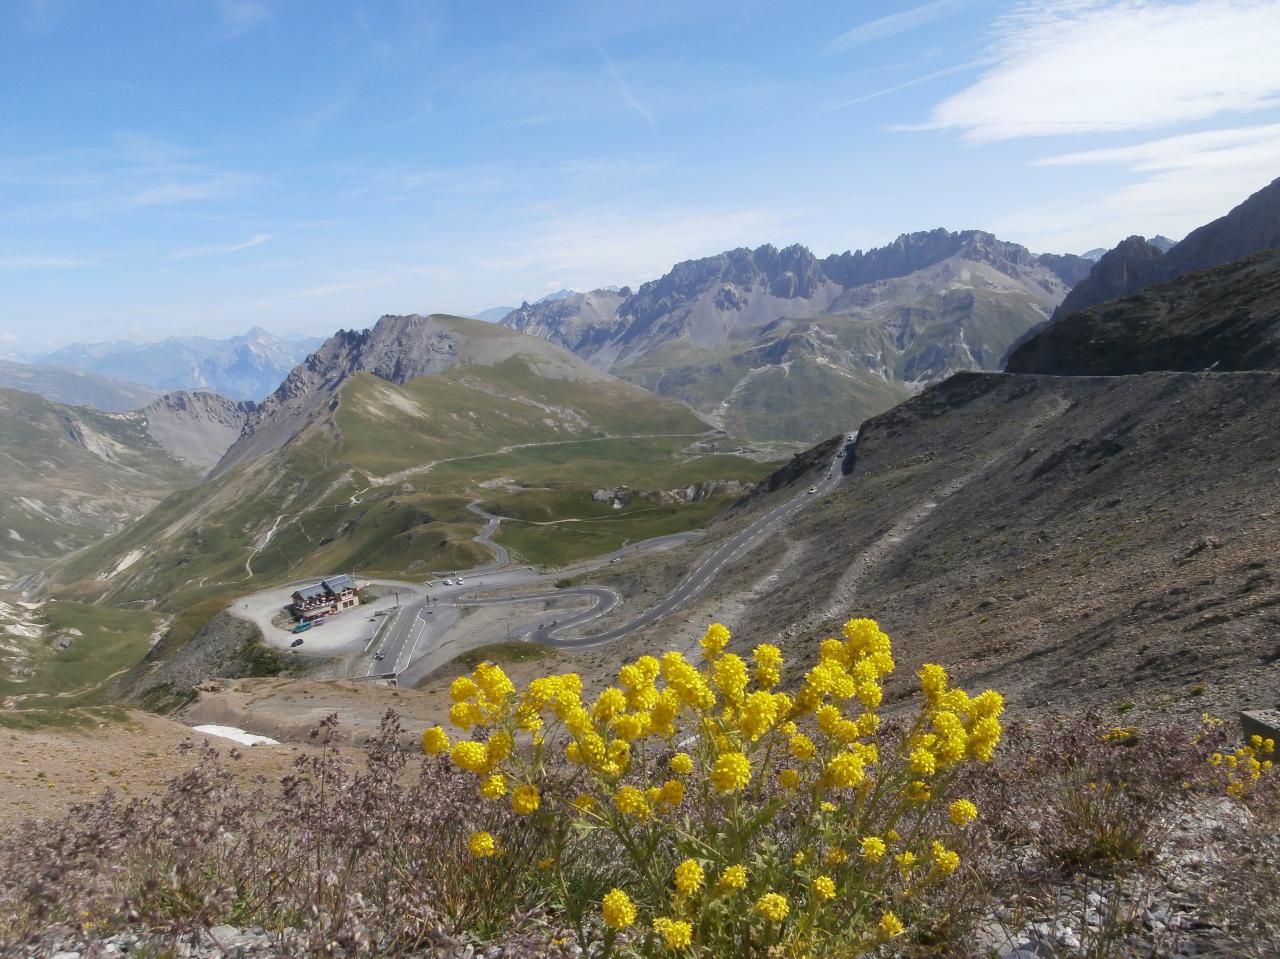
[342, 632]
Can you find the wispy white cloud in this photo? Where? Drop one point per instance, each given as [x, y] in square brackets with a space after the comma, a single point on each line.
[1087, 66]
[128, 174]
[1175, 184]
[238, 17]
[1205, 150]
[42, 262]
[884, 92]
[624, 89]
[222, 250]
[590, 247]
[893, 24]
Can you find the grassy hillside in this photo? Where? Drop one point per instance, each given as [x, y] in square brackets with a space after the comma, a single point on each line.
[808, 379]
[79, 648]
[572, 538]
[380, 484]
[475, 409]
[71, 476]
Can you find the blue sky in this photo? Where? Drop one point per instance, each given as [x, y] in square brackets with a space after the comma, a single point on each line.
[203, 166]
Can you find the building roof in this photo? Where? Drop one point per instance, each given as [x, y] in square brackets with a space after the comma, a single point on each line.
[310, 592]
[336, 584]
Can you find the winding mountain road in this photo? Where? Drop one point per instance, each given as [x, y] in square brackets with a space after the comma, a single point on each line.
[427, 620]
[736, 546]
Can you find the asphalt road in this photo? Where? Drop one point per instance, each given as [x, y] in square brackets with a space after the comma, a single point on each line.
[422, 623]
[739, 544]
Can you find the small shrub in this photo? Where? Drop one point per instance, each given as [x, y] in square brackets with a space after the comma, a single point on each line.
[702, 809]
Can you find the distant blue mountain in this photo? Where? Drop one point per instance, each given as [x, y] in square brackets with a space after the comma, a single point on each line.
[247, 367]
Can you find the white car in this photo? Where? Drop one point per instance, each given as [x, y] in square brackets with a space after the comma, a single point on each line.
[813, 489]
[457, 582]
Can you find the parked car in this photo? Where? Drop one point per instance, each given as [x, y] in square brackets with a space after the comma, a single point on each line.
[297, 642]
[379, 655]
[303, 626]
[813, 489]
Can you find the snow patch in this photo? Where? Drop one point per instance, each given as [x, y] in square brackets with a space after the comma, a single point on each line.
[125, 562]
[237, 735]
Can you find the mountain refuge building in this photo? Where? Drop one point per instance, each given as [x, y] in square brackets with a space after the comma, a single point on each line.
[328, 596]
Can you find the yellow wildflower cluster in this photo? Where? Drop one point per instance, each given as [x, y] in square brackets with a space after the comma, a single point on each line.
[1121, 734]
[1237, 772]
[689, 765]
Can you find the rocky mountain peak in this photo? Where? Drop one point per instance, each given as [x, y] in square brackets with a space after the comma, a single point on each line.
[1133, 264]
[911, 252]
[1252, 226]
[397, 349]
[790, 273]
[196, 427]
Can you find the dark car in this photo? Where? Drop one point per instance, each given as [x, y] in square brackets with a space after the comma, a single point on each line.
[297, 642]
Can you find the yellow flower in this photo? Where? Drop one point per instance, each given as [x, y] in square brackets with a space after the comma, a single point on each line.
[933, 681]
[463, 689]
[525, 799]
[689, 877]
[923, 762]
[682, 764]
[825, 806]
[630, 801]
[873, 848]
[465, 715]
[890, 925]
[730, 677]
[612, 702]
[498, 747]
[788, 778]
[802, 747]
[632, 726]
[845, 771]
[906, 862]
[835, 856]
[618, 909]
[470, 756]
[919, 791]
[759, 713]
[672, 793]
[945, 860]
[435, 741]
[481, 845]
[824, 887]
[962, 812]
[494, 787]
[714, 640]
[732, 771]
[734, 878]
[773, 906]
[675, 933]
[490, 678]
[798, 858]
[768, 659]
[584, 802]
